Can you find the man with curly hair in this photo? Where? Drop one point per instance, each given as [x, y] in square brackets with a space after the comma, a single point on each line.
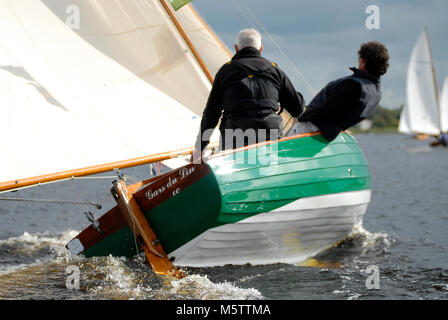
[347, 101]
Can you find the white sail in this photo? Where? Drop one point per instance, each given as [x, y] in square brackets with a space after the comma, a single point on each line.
[140, 36]
[39, 135]
[444, 106]
[210, 47]
[420, 114]
[61, 95]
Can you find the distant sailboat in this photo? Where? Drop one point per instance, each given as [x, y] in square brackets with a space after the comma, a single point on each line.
[421, 114]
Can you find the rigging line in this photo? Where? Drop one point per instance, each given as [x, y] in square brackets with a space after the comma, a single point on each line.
[127, 177]
[282, 53]
[91, 178]
[184, 36]
[74, 202]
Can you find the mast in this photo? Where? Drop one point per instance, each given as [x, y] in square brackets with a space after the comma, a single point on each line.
[210, 30]
[187, 40]
[435, 81]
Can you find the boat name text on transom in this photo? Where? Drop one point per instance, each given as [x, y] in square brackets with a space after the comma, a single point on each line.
[182, 174]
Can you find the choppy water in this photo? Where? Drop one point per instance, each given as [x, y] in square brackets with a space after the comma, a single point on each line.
[403, 235]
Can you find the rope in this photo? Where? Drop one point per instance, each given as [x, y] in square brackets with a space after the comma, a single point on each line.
[87, 178]
[250, 16]
[74, 202]
[126, 177]
[274, 43]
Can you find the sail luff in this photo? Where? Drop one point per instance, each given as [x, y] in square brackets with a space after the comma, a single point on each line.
[209, 29]
[436, 90]
[187, 40]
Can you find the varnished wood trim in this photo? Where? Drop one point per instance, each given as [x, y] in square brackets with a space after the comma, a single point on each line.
[210, 30]
[64, 175]
[145, 236]
[112, 221]
[187, 40]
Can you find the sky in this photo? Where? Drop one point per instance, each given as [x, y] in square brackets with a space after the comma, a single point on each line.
[316, 41]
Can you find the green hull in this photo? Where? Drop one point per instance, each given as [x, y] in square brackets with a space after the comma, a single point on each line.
[304, 167]
[243, 184]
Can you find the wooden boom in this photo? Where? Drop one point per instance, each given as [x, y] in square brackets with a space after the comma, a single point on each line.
[70, 174]
[65, 175]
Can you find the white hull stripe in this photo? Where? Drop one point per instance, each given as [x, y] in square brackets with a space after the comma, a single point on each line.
[289, 234]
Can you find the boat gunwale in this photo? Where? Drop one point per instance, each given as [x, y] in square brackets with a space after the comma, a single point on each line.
[265, 143]
[236, 161]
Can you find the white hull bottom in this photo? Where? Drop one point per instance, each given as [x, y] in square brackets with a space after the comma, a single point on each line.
[289, 234]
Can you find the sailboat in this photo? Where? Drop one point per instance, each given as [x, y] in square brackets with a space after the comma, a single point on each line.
[421, 114]
[126, 87]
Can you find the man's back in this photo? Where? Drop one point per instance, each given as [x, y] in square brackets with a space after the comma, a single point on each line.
[247, 92]
[343, 103]
[346, 101]
[251, 82]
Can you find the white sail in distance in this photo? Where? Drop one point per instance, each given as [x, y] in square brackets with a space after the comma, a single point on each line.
[61, 96]
[444, 106]
[421, 111]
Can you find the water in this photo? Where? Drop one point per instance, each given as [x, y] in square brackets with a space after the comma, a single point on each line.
[403, 235]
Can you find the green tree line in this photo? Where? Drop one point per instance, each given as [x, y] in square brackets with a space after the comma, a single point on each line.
[384, 118]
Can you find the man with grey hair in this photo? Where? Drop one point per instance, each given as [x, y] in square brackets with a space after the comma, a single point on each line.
[248, 38]
[248, 92]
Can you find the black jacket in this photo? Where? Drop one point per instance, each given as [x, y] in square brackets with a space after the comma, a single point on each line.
[235, 97]
[343, 103]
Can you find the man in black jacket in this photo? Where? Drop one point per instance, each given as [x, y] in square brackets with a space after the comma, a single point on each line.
[247, 92]
[349, 100]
